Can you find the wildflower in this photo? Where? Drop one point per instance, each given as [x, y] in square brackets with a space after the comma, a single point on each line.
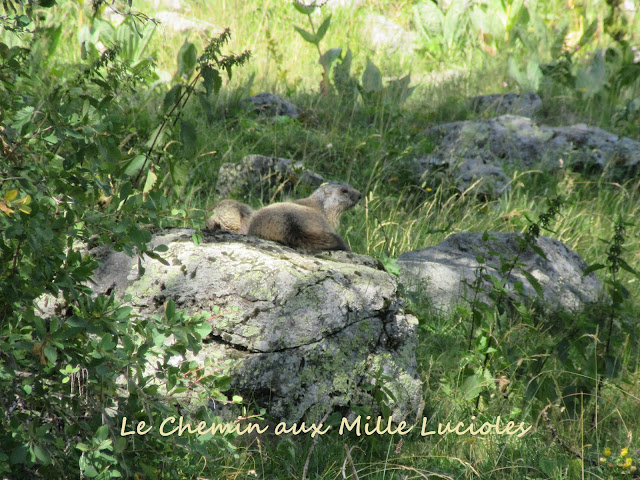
[624, 452]
[627, 462]
[607, 452]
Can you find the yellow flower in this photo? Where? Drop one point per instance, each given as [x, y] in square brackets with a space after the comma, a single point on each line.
[607, 452]
[633, 468]
[627, 462]
[624, 452]
[602, 460]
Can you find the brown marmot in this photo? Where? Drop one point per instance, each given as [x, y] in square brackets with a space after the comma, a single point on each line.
[308, 223]
[231, 216]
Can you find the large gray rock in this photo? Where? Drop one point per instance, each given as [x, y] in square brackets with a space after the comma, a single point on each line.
[525, 104]
[268, 175]
[272, 105]
[306, 333]
[517, 143]
[385, 34]
[440, 271]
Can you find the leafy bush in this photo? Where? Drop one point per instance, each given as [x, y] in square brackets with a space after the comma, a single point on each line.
[85, 164]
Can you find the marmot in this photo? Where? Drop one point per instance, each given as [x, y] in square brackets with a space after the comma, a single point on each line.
[231, 216]
[308, 223]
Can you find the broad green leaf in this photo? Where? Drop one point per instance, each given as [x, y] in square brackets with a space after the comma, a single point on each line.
[169, 310]
[42, 455]
[51, 353]
[211, 80]
[147, 33]
[592, 268]
[371, 78]
[186, 59]
[330, 56]
[472, 386]
[10, 195]
[588, 33]
[322, 29]
[309, 37]
[150, 182]
[134, 165]
[171, 97]
[304, 9]
[534, 283]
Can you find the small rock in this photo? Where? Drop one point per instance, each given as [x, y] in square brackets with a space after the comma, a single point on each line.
[272, 105]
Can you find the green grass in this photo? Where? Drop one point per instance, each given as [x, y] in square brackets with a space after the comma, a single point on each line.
[370, 148]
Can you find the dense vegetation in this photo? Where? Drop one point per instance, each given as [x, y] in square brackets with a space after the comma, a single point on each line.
[112, 126]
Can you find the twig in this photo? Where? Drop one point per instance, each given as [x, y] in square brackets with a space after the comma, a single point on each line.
[562, 443]
[313, 445]
[348, 458]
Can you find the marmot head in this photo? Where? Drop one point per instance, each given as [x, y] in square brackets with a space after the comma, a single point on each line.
[336, 197]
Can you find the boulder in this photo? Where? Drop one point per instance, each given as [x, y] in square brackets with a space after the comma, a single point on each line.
[268, 175]
[440, 271]
[518, 143]
[384, 34]
[272, 105]
[307, 334]
[526, 104]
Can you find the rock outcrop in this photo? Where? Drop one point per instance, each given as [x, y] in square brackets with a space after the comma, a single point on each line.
[267, 175]
[526, 104]
[272, 105]
[480, 149]
[308, 334]
[440, 271]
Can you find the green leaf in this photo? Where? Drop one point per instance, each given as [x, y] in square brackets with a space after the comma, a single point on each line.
[534, 283]
[187, 56]
[147, 33]
[330, 56]
[592, 268]
[150, 182]
[588, 33]
[51, 353]
[171, 97]
[157, 257]
[211, 80]
[102, 433]
[134, 165]
[304, 9]
[371, 78]
[204, 329]
[309, 37]
[42, 455]
[322, 29]
[170, 310]
[472, 386]
[19, 454]
[188, 137]
[625, 266]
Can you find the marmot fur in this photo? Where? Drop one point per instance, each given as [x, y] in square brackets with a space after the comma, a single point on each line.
[231, 216]
[308, 223]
